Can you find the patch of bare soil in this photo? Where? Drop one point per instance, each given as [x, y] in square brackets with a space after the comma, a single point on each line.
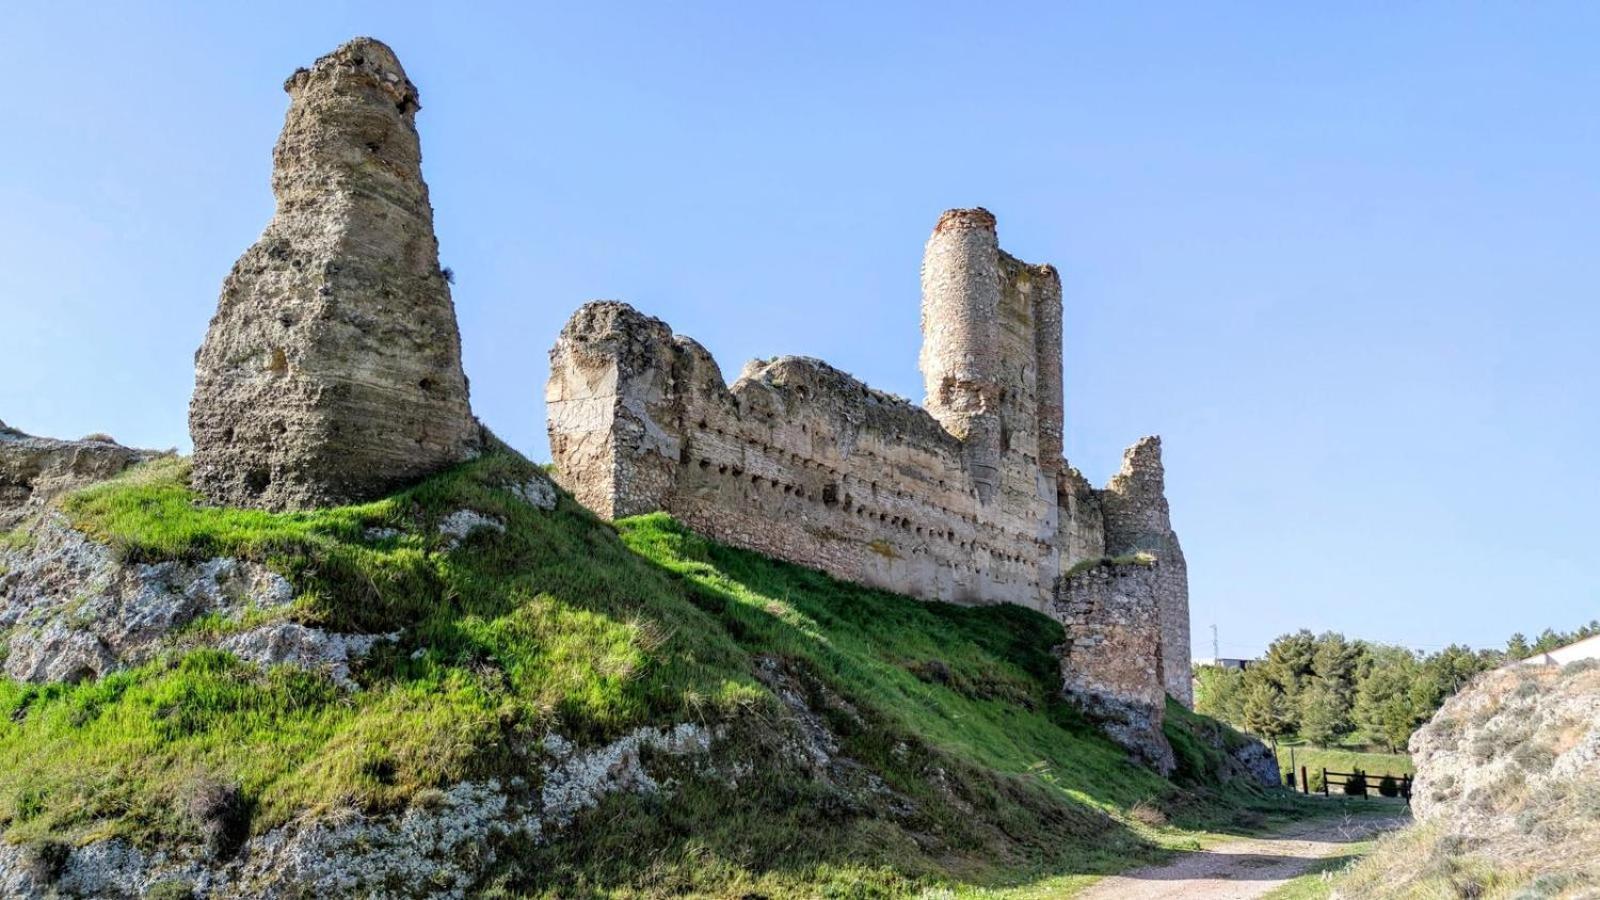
[1240, 869]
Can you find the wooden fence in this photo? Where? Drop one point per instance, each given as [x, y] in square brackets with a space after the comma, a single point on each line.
[1357, 783]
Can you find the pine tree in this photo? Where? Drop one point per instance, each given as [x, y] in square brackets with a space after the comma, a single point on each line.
[1323, 716]
[1266, 712]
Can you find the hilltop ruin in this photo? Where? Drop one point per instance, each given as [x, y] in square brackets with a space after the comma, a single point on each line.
[332, 369]
[332, 374]
[965, 499]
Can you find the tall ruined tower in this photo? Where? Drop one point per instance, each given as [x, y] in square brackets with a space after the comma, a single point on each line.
[960, 358]
[991, 358]
[1138, 519]
[332, 369]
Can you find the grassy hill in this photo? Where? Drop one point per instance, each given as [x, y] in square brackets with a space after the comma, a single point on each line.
[949, 758]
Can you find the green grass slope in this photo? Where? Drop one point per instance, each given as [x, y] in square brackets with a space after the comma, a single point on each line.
[987, 782]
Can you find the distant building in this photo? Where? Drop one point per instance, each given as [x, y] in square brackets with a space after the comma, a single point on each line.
[1588, 648]
[1223, 662]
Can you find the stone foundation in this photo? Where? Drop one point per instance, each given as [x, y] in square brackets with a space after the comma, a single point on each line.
[1112, 661]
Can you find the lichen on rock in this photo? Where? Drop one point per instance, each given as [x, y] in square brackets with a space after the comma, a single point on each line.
[439, 846]
[74, 611]
[294, 644]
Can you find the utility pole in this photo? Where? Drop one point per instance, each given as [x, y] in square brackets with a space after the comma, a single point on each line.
[1216, 654]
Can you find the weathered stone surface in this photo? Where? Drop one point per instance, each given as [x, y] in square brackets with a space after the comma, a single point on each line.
[1515, 735]
[1111, 663]
[293, 644]
[33, 470]
[458, 525]
[1138, 520]
[332, 369]
[538, 492]
[1256, 761]
[1507, 794]
[71, 610]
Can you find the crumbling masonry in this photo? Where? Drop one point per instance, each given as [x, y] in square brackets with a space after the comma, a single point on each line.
[332, 370]
[966, 499]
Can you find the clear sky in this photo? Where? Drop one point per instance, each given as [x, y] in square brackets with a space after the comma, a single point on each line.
[1342, 257]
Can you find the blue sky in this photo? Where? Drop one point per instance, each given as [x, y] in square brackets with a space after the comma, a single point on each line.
[1342, 257]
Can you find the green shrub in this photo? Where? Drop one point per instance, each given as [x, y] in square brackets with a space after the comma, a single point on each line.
[169, 889]
[1388, 786]
[1356, 784]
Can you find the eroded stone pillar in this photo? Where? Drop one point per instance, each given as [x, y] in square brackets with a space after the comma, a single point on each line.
[331, 372]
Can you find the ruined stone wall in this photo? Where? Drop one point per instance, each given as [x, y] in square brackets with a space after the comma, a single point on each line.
[1112, 662]
[1137, 519]
[965, 499]
[332, 369]
[1080, 533]
[797, 460]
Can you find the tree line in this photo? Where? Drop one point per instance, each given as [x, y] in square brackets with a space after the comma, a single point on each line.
[1327, 688]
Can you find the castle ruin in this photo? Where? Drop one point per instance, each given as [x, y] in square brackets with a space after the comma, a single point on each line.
[332, 370]
[331, 373]
[966, 499]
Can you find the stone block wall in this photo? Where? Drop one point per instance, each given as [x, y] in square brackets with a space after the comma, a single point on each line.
[1138, 520]
[1113, 659]
[797, 460]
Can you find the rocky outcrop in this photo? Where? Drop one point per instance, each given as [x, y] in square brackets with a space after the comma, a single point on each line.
[1507, 794]
[33, 470]
[1111, 661]
[332, 370]
[70, 610]
[1253, 760]
[294, 644]
[1138, 520]
[440, 846]
[1515, 737]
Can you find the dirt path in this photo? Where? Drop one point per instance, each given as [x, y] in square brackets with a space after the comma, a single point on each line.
[1239, 869]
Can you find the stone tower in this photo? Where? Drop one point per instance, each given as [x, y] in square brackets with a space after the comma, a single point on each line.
[1138, 519]
[991, 355]
[960, 358]
[332, 371]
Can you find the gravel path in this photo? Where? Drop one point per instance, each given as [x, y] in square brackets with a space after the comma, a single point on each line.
[1239, 869]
